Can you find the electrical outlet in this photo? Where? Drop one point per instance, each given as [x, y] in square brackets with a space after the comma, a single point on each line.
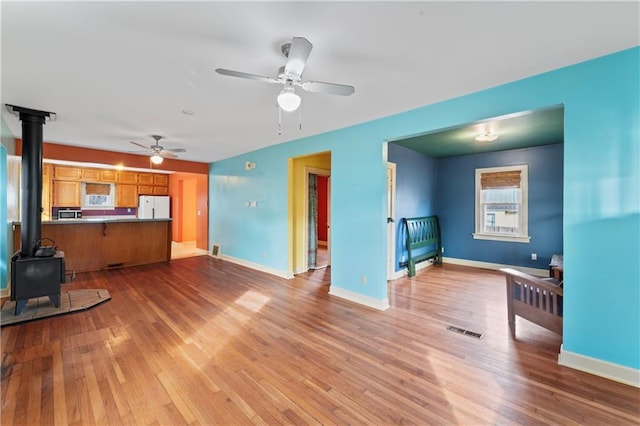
[252, 203]
[363, 280]
[442, 249]
[534, 256]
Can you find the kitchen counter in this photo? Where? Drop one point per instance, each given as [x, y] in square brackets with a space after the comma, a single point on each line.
[97, 219]
[92, 244]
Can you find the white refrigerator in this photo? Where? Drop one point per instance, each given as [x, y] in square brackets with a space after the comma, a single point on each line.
[154, 207]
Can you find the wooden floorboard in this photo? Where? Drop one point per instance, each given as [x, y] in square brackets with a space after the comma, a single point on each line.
[203, 341]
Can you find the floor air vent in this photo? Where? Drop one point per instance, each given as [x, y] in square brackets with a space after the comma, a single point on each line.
[215, 250]
[465, 332]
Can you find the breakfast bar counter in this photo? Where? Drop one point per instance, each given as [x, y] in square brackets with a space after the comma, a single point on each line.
[91, 244]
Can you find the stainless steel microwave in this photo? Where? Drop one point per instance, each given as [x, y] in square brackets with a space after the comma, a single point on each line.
[69, 214]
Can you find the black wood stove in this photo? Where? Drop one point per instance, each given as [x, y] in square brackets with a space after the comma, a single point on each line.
[35, 271]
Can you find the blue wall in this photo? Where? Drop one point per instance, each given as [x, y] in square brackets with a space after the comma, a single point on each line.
[456, 206]
[416, 184]
[601, 195]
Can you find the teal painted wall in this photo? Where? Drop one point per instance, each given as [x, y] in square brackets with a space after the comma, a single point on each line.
[601, 195]
[6, 243]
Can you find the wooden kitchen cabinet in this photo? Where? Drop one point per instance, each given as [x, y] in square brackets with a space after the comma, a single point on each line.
[145, 179]
[136, 243]
[92, 175]
[47, 170]
[145, 190]
[160, 190]
[126, 195]
[108, 175]
[67, 172]
[65, 193]
[127, 177]
[161, 179]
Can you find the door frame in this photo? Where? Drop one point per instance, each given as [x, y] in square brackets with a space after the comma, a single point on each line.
[391, 225]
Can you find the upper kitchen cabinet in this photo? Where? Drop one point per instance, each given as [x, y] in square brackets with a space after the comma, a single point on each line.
[47, 170]
[127, 177]
[126, 195]
[145, 179]
[161, 179]
[67, 173]
[66, 193]
[92, 175]
[107, 175]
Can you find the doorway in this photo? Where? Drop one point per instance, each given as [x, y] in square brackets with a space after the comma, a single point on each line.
[300, 168]
[317, 201]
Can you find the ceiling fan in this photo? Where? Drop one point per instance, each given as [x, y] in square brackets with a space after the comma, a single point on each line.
[158, 152]
[290, 76]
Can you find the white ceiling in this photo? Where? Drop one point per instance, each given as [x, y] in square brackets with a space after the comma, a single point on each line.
[114, 72]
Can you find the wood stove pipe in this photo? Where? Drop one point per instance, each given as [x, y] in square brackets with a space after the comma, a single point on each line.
[31, 185]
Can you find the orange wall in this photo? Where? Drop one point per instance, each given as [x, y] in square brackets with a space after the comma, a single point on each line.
[52, 151]
[189, 210]
[189, 195]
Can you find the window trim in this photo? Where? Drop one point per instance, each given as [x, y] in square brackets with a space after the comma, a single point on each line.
[523, 225]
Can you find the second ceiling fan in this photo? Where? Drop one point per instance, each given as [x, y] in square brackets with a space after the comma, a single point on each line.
[290, 76]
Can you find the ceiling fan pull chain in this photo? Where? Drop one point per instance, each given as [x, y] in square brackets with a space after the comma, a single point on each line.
[300, 118]
[279, 121]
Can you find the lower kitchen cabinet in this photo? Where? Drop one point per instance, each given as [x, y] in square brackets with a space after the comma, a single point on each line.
[136, 243]
[91, 245]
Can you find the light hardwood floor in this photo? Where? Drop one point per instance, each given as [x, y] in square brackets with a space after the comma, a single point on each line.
[202, 341]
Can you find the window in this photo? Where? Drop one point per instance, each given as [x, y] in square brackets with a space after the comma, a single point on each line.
[501, 204]
[97, 195]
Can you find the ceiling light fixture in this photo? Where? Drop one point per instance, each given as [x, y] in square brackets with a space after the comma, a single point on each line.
[156, 158]
[487, 136]
[288, 100]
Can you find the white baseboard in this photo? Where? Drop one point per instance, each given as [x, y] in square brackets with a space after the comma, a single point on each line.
[495, 266]
[379, 304]
[608, 370]
[404, 272]
[256, 266]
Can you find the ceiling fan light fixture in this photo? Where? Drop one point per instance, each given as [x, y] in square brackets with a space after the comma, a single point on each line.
[156, 158]
[487, 136]
[288, 100]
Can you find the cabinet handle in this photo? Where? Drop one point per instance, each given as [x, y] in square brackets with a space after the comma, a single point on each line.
[104, 229]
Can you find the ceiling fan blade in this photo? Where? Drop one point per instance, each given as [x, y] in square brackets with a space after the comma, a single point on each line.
[298, 55]
[330, 88]
[166, 154]
[175, 150]
[232, 73]
[138, 152]
[140, 145]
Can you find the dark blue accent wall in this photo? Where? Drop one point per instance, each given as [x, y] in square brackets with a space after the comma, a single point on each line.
[446, 187]
[416, 179]
[456, 206]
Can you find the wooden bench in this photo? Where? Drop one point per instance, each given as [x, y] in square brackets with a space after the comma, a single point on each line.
[538, 300]
[422, 235]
